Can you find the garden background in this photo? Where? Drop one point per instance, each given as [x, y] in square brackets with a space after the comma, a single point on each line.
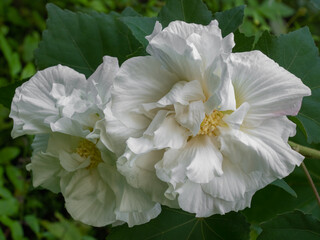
[28, 213]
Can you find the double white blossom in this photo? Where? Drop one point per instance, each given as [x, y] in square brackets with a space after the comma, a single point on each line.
[66, 113]
[202, 128]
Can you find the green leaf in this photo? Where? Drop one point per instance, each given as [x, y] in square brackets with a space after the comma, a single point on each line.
[174, 224]
[316, 3]
[283, 185]
[297, 53]
[191, 11]
[15, 177]
[63, 230]
[8, 153]
[7, 93]
[243, 43]
[9, 207]
[80, 40]
[230, 20]
[291, 226]
[15, 227]
[140, 27]
[33, 223]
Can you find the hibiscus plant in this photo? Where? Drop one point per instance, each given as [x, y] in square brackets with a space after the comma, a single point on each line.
[177, 126]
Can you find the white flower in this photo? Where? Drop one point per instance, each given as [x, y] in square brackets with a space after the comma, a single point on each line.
[66, 113]
[208, 127]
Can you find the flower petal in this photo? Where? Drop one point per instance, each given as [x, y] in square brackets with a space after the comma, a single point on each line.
[33, 102]
[140, 173]
[101, 80]
[163, 132]
[88, 198]
[190, 116]
[132, 205]
[270, 90]
[262, 149]
[140, 80]
[45, 171]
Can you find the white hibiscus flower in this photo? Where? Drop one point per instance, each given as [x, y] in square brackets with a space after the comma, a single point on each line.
[205, 128]
[66, 113]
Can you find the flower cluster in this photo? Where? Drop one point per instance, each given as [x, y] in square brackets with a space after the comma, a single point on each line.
[191, 126]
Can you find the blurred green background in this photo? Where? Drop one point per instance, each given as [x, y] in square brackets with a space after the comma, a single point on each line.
[28, 213]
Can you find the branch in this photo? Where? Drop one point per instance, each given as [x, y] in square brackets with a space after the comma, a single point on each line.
[305, 151]
[314, 189]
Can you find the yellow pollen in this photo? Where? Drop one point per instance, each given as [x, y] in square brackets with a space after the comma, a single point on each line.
[210, 123]
[88, 149]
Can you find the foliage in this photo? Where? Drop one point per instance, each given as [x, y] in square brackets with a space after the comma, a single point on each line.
[26, 213]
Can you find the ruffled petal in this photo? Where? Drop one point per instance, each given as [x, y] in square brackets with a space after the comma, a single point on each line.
[132, 205]
[101, 80]
[46, 171]
[140, 173]
[140, 80]
[199, 161]
[163, 132]
[88, 198]
[262, 149]
[270, 90]
[34, 106]
[204, 205]
[190, 116]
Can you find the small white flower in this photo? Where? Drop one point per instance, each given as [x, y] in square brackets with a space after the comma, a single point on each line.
[205, 128]
[66, 113]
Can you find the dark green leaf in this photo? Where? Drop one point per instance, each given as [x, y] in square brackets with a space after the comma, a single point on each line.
[8, 153]
[243, 43]
[129, 12]
[282, 184]
[230, 20]
[297, 53]
[80, 40]
[7, 93]
[191, 11]
[174, 224]
[15, 177]
[33, 223]
[15, 227]
[291, 226]
[140, 27]
[9, 207]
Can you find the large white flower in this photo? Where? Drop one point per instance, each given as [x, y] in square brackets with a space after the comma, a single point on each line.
[66, 113]
[209, 127]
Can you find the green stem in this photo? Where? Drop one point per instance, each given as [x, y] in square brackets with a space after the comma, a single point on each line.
[314, 189]
[305, 151]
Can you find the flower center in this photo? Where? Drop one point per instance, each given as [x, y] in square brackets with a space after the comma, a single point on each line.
[210, 123]
[88, 149]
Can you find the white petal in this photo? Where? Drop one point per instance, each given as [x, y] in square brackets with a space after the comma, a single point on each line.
[199, 161]
[190, 116]
[262, 149]
[101, 80]
[45, 171]
[140, 80]
[183, 92]
[140, 173]
[72, 161]
[235, 119]
[88, 198]
[40, 143]
[33, 101]
[270, 90]
[114, 134]
[234, 184]
[204, 205]
[163, 132]
[132, 205]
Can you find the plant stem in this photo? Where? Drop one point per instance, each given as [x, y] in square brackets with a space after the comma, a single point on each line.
[314, 189]
[305, 151]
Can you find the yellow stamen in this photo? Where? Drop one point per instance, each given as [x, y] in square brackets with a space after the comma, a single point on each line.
[88, 149]
[210, 123]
